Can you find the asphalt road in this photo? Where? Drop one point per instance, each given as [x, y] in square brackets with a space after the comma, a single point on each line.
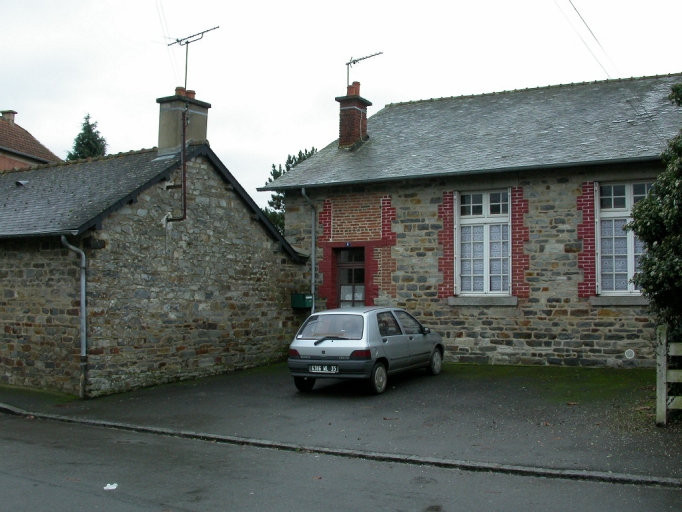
[56, 466]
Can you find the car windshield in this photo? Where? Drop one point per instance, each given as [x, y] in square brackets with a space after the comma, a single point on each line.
[341, 326]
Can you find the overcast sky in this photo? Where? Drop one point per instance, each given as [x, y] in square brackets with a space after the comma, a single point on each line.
[273, 68]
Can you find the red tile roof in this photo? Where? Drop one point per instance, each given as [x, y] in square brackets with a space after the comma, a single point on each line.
[14, 139]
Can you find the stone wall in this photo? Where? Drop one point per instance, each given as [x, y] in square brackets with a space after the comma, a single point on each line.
[549, 319]
[165, 301]
[39, 315]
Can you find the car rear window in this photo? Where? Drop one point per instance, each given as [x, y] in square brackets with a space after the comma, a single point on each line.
[341, 326]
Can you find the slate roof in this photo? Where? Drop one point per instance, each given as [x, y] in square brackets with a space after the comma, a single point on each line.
[14, 139]
[590, 123]
[72, 197]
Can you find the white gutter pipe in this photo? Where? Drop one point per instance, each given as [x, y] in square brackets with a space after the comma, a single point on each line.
[84, 332]
[313, 258]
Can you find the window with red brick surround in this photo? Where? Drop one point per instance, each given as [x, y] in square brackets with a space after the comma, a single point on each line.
[519, 235]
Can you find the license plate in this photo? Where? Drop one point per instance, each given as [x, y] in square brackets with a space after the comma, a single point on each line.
[326, 368]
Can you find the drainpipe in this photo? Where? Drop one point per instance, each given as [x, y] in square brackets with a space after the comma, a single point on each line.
[84, 333]
[313, 257]
[169, 217]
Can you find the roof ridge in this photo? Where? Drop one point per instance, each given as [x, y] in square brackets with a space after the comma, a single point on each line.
[544, 87]
[66, 163]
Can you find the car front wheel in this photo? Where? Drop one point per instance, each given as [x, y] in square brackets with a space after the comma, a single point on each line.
[436, 363]
[379, 379]
[304, 383]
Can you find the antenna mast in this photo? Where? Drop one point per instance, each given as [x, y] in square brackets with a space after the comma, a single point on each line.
[185, 42]
[352, 61]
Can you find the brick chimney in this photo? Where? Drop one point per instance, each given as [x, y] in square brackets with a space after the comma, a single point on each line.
[8, 115]
[353, 117]
[170, 120]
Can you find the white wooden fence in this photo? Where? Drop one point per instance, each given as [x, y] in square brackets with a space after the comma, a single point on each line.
[664, 376]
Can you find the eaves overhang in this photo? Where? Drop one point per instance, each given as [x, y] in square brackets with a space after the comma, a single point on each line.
[25, 155]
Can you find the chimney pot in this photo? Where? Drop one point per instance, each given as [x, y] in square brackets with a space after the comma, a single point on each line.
[354, 89]
[190, 94]
[180, 91]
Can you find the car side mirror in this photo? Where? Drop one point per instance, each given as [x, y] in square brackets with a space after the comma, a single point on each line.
[426, 330]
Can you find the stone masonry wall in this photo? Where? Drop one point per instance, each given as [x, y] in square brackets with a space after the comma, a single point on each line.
[39, 315]
[551, 319]
[165, 302]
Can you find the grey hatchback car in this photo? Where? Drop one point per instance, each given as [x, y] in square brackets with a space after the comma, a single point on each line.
[362, 343]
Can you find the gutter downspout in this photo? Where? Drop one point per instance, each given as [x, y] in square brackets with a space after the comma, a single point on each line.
[313, 257]
[169, 217]
[84, 332]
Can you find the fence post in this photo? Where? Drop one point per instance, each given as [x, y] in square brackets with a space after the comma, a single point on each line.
[662, 375]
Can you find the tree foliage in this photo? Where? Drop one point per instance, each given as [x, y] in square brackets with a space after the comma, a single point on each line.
[657, 222]
[275, 209]
[88, 143]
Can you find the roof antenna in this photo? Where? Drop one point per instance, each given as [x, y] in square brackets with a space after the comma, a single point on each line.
[352, 61]
[185, 42]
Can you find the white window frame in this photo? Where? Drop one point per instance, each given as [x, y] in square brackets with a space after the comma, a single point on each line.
[617, 213]
[486, 219]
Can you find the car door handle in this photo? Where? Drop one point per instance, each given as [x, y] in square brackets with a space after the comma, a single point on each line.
[411, 337]
[384, 340]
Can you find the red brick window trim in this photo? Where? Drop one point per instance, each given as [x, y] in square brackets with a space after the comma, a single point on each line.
[587, 261]
[520, 234]
[446, 239]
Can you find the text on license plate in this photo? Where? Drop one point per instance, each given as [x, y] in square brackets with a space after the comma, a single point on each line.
[323, 368]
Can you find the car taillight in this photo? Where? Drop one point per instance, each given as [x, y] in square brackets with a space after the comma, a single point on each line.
[293, 353]
[361, 354]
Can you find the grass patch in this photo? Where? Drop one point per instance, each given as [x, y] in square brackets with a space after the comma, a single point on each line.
[584, 385]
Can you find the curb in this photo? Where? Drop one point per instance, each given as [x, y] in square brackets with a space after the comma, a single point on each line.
[415, 460]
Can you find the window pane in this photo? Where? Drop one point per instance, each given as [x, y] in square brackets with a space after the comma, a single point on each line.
[606, 195]
[614, 255]
[499, 203]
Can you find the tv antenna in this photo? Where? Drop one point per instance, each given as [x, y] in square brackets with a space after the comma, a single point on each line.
[352, 61]
[185, 41]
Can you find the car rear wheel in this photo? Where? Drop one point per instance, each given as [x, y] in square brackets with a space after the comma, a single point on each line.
[304, 383]
[436, 363]
[379, 379]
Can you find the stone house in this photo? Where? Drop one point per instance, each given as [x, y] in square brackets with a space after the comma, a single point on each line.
[496, 219]
[126, 271]
[18, 148]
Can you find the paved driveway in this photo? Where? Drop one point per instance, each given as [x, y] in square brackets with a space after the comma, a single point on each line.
[549, 418]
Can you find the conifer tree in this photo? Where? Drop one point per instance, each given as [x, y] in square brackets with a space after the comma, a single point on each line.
[275, 209]
[88, 143]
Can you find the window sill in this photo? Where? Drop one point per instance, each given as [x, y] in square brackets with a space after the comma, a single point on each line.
[618, 300]
[483, 301]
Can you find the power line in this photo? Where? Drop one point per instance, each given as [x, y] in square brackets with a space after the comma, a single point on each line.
[165, 34]
[654, 129]
[581, 37]
[593, 36]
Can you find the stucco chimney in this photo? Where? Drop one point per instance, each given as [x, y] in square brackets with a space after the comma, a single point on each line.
[170, 120]
[353, 117]
[8, 115]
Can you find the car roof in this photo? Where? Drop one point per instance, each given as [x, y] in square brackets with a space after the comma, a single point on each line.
[356, 310]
